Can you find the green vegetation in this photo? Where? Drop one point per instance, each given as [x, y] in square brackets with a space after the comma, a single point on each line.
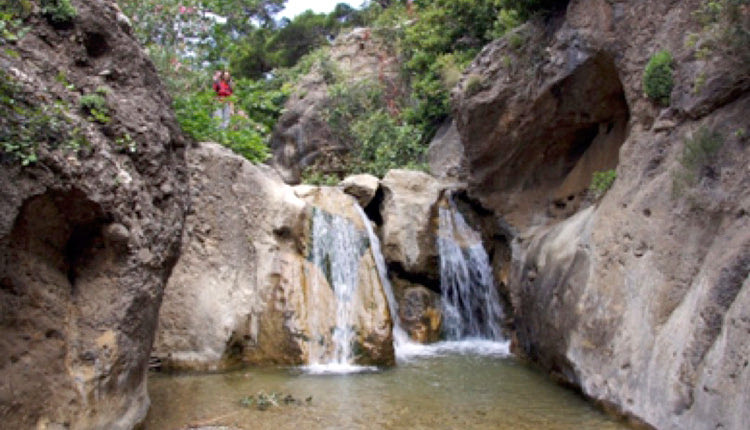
[59, 12]
[12, 15]
[26, 126]
[95, 105]
[696, 159]
[262, 401]
[602, 181]
[384, 122]
[725, 31]
[657, 78]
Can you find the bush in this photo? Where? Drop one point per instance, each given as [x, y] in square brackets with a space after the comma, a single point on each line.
[384, 144]
[25, 127]
[657, 78]
[96, 106]
[59, 12]
[696, 158]
[602, 181]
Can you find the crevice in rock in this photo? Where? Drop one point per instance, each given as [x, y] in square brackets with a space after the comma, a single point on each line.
[372, 210]
[96, 44]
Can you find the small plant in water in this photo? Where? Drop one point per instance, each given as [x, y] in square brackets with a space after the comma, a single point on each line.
[262, 401]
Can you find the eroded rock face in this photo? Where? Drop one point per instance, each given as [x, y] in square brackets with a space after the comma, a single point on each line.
[446, 154]
[640, 299]
[241, 290]
[87, 237]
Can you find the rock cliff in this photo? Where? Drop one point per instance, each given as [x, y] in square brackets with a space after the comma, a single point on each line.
[302, 135]
[640, 298]
[90, 228]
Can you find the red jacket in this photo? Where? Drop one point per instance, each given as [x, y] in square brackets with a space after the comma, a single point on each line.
[223, 88]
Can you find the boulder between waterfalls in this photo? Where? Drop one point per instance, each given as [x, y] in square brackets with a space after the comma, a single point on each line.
[241, 291]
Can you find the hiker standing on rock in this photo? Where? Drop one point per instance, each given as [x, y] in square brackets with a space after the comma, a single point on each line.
[223, 88]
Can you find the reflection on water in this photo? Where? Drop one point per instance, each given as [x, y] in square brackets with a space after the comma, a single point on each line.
[442, 387]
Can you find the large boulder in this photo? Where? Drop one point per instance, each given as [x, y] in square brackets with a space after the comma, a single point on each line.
[409, 211]
[242, 290]
[239, 272]
[446, 153]
[89, 234]
[640, 299]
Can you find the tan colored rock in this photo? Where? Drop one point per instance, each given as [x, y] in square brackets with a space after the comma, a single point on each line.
[446, 154]
[421, 314]
[241, 292]
[362, 187]
[240, 270]
[409, 212]
[87, 238]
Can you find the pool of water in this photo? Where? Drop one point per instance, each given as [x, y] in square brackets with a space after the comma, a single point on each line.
[448, 386]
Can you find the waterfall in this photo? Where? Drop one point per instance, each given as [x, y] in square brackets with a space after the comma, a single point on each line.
[336, 249]
[470, 301]
[400, 338]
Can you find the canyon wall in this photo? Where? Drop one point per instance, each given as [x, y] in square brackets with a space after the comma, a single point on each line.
[90, 228]
[639, 297]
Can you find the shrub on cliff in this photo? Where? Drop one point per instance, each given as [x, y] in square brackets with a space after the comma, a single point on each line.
[657, 78]
[59, 12]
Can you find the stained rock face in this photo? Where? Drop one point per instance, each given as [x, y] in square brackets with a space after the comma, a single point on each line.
[87, 236]
[241, 292]
[230, 295]
[640, 299]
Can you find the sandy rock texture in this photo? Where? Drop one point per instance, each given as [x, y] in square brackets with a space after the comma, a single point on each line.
[88, 235]
[241, 290]
[640, 297]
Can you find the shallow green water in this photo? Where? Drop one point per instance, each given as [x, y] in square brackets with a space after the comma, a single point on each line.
[438, 391]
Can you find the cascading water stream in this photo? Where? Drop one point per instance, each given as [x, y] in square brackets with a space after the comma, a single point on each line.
[470, 301]
[400, 338]
[336, 249]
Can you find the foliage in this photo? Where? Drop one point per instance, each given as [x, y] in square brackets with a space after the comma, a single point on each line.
[528, 8]
[383, 144]
[12, 15]
[725, 30]
[59, 11]
[257, 107]
[697, 157]
[95, 105]
[25, 126]
[657, 77]
[602, 181]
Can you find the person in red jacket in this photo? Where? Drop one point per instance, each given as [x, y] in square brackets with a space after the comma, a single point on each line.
[223, 89]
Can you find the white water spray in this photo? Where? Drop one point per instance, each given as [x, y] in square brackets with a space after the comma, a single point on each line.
[470, 301]
[336, 249]
[400, 338]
